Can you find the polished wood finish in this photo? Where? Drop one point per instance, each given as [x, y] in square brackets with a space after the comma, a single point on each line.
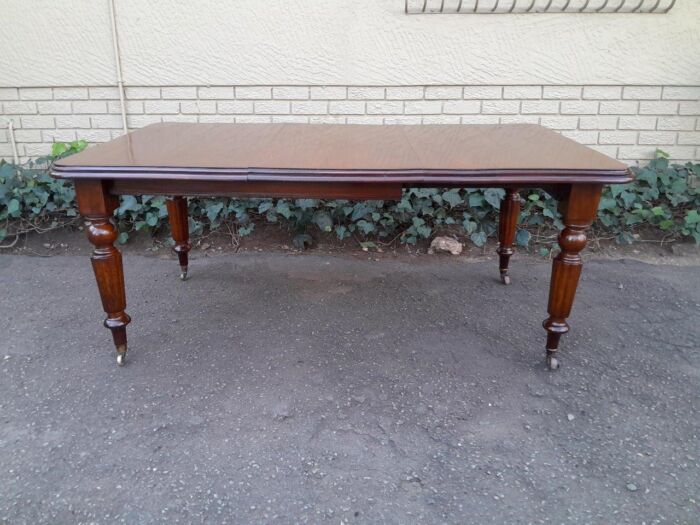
[97, 206]
[578, 205]
[339, 162]
[408, 155]
[507, 221]
[180, 228]
[289, 190]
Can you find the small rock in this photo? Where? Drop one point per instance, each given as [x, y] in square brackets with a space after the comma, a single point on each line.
[281, 411]
[46, 245]
[621, 286]
[205, 246]
[570, 417]
[631, 487]
[445, 244]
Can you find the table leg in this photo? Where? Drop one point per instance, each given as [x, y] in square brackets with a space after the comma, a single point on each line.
[578, 205]
[177, 216]
[97, 207]
[507, 221]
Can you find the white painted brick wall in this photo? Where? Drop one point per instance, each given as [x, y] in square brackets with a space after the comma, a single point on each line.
[627, 122]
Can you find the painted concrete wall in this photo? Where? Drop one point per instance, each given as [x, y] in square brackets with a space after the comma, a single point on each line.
[338, 42]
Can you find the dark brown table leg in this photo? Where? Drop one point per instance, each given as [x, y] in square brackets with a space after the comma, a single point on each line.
[97, 205]
[507, 221]
[578, 205]
[177, 216]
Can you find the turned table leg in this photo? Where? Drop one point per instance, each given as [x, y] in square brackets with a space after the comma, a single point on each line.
[578, 205]
[507, 221]
[97, 206]
[177, 216]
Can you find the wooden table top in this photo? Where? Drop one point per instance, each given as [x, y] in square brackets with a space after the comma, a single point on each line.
[420, 154]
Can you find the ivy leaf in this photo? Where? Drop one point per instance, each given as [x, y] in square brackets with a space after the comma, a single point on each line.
[469, 225]
[244, 231]
[283, 209]
[365, 226]
[302, 241]
[213, 210]
[129, 203]
[617, 189]
[607, 203]
[323, 220]
[424, 231]
[522, 238]
[476, 200]
[306, 204]
[341, 231]
[58, 149]
[452, 197]
[122, 238]
[478, 238]
[692, 217]
[493, 196]
[6, 170]
[628, 198]
[607, 220]
[13, 208]
[360, 210]
[624, 238]
[264, 206]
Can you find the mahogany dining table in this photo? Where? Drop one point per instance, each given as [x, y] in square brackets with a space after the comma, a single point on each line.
[338, 161]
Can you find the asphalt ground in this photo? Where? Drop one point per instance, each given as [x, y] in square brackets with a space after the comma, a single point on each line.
[273, 388]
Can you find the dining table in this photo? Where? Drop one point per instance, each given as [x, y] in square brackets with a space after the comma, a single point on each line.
[338, 161]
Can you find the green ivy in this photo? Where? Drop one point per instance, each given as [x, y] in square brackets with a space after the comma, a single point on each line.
[663, 197]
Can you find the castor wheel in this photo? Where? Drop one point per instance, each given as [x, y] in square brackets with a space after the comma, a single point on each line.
[552, 362]
[121, 355]
[505, 278]
[183, 274]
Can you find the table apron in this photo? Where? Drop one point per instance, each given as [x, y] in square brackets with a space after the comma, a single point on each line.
[295, 190]
[299, 190]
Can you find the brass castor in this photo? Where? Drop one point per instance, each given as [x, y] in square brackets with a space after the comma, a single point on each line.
[552, 362]
[121, 355]
[183, 274]
[505, 278]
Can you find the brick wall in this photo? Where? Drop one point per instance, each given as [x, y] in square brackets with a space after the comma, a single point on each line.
[628, 122]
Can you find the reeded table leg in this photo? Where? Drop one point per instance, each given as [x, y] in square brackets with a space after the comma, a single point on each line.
[97, 206]
[177, 215]
[507, 221]
[578, 205]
